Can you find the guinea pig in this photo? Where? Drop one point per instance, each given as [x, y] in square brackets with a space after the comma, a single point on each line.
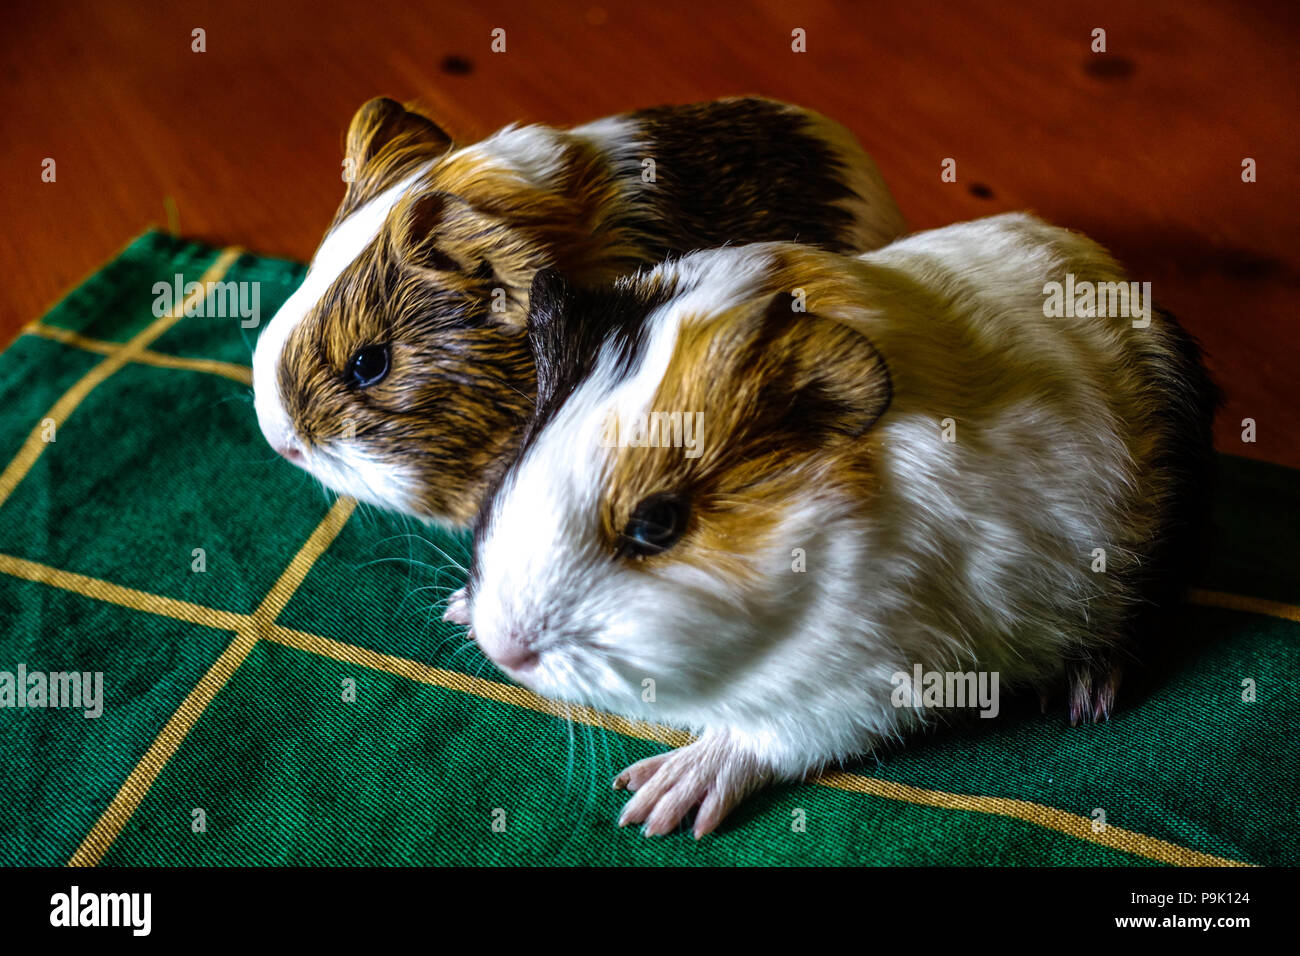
[765, 483]
[399, 372]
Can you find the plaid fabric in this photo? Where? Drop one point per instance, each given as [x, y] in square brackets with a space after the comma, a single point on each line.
[279, 688]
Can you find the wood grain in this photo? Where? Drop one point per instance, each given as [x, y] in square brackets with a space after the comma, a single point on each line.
[1140, 147]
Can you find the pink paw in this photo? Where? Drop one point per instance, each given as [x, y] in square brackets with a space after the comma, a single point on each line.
[710, 773]
[457, 608]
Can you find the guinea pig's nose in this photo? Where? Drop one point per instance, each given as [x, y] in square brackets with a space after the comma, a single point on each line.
[509, 647]
[291, 453]
[517, 658]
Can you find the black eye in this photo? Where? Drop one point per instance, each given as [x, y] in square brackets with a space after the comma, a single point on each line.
[655, 525]
[369, 365]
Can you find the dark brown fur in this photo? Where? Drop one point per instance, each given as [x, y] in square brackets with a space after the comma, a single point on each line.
[445, 285]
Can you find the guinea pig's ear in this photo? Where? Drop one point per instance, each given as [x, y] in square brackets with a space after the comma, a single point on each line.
[550, 304]
[829, 380]
[422, 224]
[382, 122]
[385, 143]
[548, 299]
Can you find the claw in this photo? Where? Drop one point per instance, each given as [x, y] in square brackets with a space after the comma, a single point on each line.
[1093, 687]
[1104, 698]
[634, 776]
[711, 773]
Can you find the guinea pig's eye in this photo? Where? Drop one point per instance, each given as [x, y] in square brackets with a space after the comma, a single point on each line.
[369, 365]
[655, 525]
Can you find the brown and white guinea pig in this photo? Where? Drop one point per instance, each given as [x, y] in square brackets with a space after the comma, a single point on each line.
[771, 514]
[400, 373]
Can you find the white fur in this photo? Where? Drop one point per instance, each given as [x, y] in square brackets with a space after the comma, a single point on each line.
[535, 153]
[971, 555]
[532, 152]
[346, 467]
[620, 140]
[350, 469]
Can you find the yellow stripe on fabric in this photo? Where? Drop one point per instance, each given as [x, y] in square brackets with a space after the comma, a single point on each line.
[133, 791]
[1071, 824]
[477, 686]
[125, 597]
[69, 337]
[239, 373]
[35, 444]
[1248, 605]
[249, 628]
[1051, 818]
[278, 597]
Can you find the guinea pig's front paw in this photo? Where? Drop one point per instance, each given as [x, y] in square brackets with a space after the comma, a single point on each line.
[457, 608]
[713, 773]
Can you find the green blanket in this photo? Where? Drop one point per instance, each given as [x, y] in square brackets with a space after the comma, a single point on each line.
[278, 687]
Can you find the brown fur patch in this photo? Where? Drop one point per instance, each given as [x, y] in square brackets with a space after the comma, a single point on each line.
[787, 400]
[432, 413]
[461, 382]
[385, 144]
[446, 283]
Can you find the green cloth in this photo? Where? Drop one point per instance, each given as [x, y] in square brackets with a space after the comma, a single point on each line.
[427, 767]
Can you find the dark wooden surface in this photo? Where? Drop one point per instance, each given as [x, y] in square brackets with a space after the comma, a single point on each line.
[1141, 147]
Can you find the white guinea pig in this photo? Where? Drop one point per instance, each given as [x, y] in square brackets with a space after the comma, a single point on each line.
[772, 514]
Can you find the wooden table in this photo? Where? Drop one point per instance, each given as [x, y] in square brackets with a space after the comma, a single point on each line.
[1141, 147]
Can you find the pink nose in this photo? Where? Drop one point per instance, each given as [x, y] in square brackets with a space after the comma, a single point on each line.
[292, 454]
[515, 658]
